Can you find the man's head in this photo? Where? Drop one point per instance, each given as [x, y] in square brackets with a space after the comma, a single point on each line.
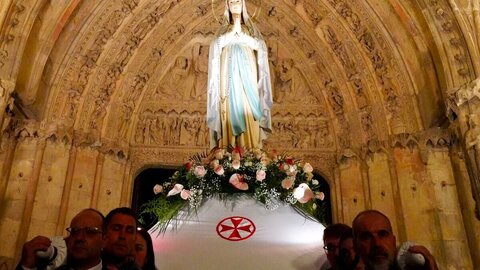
[374, 240]
[121, 227]
[331, 238]
[85, 239]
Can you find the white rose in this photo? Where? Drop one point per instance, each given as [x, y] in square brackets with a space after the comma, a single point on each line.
[157, 189]
[307, 168]
[315, 182]
[236, 164]
[199, 171]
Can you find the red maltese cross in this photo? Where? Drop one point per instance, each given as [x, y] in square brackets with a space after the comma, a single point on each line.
[235, 228]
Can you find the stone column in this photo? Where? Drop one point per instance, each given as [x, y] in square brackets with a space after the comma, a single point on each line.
[416, 191]
[464, 113]
[351, 186]
[452, 240]
[380, 181]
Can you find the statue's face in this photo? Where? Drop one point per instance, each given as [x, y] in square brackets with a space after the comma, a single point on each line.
[235, 6]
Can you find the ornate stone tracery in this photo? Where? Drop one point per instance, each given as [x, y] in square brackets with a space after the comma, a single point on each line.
[127, 91]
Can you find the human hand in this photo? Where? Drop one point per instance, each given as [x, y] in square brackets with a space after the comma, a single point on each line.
[430, 262]
[30, 248]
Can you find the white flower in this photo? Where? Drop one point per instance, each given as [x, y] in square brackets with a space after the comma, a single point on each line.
[303, 193]
[248, 163]
[261, 175]
[315, 182]
[175, 190]
[314, 206]
[236, 164]
[199, 171]
[307, 168]
[157, 189]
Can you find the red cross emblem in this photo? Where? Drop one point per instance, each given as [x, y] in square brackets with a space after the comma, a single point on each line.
[235, 228]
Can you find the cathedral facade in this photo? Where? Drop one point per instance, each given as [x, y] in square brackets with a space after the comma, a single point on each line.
[381, 97]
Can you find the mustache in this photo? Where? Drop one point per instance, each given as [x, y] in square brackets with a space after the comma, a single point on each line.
[376, 251]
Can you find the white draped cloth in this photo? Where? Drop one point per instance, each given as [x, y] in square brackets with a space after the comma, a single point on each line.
[240, 234]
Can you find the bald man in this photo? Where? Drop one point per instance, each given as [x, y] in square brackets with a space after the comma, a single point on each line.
[84, 244]
[376, 244]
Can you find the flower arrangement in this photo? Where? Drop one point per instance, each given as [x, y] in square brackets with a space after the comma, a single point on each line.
[271, 179]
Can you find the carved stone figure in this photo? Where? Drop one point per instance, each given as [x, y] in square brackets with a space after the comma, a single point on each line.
[200, 71]
[178, 79]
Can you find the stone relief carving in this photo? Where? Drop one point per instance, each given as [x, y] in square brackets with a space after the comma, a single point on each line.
[8, 36]
[380, 63]
[335, 97]
[290, 84]
[404, 140]
[178, 81]
[171, 128]
[472, 144]
[314, 16]
[304, 132]
[83, 62]
[463, 112]
[103, 92]
[367, 122]
[200, 70]
[446, 22]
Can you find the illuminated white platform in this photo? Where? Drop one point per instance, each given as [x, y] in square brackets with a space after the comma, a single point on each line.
[255, 238]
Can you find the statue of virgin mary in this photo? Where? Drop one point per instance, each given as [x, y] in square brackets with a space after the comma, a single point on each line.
[239, 87]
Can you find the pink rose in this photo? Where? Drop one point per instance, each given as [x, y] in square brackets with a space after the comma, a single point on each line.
[287, 183]
[185, 194]
[307, 168]
[236, 164]
[237, 181]
[261, 175]
[219, 170]
[157, 189]
[199, 171]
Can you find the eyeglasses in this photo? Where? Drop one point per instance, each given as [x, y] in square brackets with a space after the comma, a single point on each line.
[89, 231]
[330, 248]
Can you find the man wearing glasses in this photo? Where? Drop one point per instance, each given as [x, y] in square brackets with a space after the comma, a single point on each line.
[84, 244]
[331, 239]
